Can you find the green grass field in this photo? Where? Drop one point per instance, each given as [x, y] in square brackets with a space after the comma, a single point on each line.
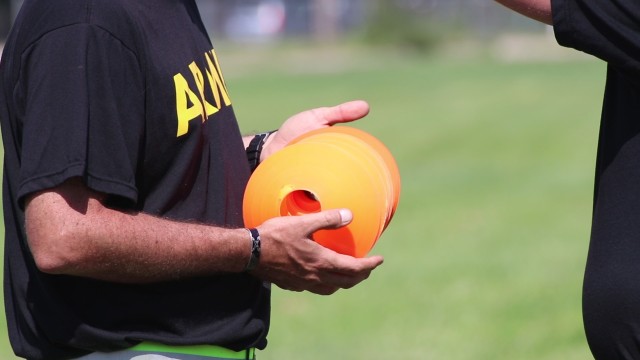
[485, 255]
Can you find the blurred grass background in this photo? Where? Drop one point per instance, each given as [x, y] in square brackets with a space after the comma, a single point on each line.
[496, 142]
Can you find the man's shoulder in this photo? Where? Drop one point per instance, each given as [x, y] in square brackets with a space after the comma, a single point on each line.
[40, 18]
[49, 14]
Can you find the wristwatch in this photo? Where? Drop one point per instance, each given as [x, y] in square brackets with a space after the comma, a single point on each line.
[255, 149]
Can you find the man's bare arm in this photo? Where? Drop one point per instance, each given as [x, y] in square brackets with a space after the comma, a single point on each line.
[71, 232]
[539, 10]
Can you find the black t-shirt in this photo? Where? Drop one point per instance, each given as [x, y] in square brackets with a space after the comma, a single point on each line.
[128, 96]
[610, 30]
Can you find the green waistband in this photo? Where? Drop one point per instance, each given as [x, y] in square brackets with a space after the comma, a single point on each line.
[200, 350]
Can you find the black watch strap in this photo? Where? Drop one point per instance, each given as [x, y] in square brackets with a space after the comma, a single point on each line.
[255, 250]
[255, 149]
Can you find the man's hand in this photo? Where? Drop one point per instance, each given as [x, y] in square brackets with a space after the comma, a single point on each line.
[292, 261]
[311, 120]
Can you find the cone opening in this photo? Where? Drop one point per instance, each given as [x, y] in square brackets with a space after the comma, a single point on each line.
[300, 202]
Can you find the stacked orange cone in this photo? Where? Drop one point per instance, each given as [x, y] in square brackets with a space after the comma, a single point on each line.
[329, 168]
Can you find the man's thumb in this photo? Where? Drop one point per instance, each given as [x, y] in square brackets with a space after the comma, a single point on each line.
[329, 219]
[345, 216]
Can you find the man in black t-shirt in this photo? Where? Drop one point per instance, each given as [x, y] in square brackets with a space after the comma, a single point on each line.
[610, 30]
[124, 173]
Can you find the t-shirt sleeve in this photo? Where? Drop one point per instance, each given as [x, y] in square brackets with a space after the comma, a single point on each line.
[606, 29]
[83, 94]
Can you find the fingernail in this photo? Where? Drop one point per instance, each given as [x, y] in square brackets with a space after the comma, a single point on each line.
[346, 216]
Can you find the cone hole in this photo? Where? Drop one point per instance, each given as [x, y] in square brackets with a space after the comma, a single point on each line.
[300, 202]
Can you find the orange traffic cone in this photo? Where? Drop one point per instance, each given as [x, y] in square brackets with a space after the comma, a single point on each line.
[329, 168]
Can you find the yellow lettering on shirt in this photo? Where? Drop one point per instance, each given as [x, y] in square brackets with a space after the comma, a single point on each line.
[209, 97]
[186, 113]
[216, 80]
[197, 76]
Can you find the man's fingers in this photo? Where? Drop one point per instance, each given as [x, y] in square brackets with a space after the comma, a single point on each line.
[310, 266]
[349, 266]
[345, 281]
[346, 275]
[328, 219]
[346, 271]
[349, 111]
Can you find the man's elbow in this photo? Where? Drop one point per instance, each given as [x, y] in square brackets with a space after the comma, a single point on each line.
[56, 227]
[53, 252]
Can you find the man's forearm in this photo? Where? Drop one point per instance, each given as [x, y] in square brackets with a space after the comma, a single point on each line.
[539, 10]
[101, 243]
